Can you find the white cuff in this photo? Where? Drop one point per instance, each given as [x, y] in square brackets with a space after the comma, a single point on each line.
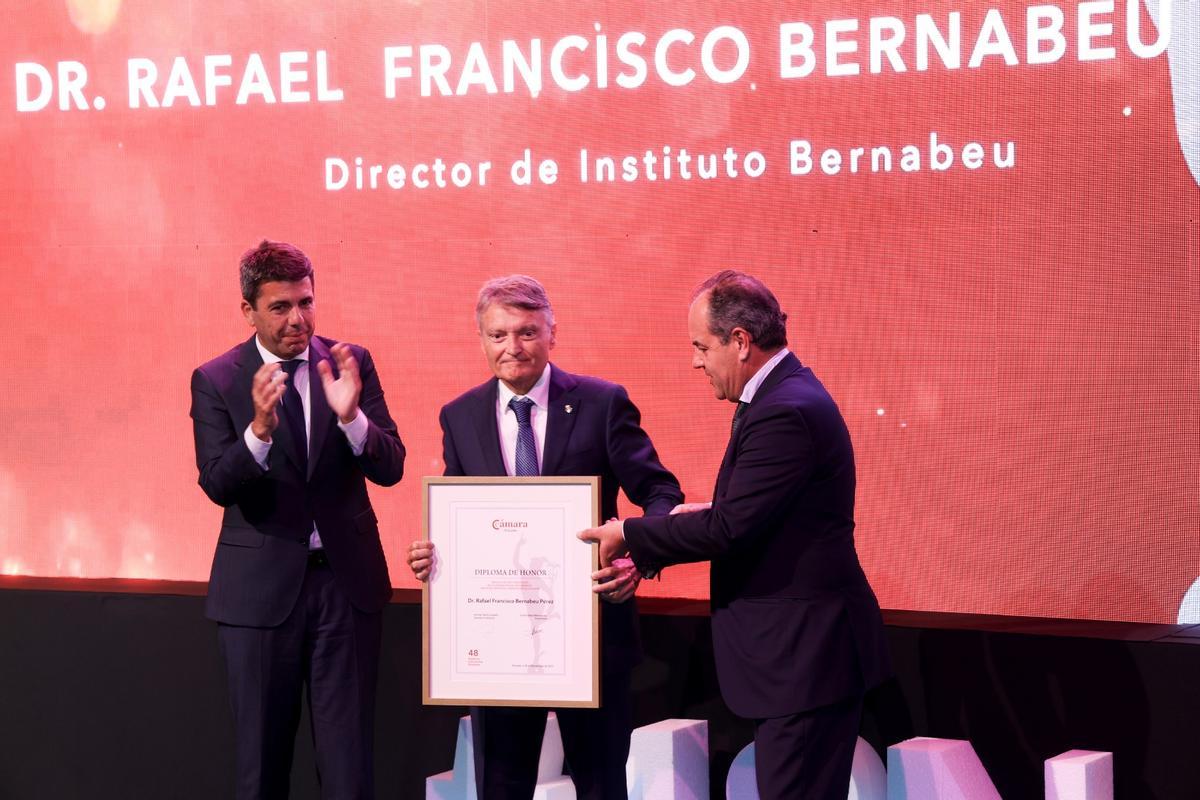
[356, 432]
[259, 449]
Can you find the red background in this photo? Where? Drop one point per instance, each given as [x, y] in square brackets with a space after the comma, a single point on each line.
[1030, 333]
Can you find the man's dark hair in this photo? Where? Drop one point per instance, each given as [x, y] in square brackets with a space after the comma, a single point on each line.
[272, 261]
[738, 300]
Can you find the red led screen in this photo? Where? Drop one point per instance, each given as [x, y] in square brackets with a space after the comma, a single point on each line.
[980, 220]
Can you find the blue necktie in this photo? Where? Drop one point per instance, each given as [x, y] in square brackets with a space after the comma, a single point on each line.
[293, 410]
[526, 460]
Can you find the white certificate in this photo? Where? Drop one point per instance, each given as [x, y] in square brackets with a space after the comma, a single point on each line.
[510, 617]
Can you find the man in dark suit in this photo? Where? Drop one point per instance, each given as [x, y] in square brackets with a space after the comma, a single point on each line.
[299, 580]
[797, 633]
[534, 418]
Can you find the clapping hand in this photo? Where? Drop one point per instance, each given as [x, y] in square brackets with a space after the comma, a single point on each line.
[266, 390]
[342, 393]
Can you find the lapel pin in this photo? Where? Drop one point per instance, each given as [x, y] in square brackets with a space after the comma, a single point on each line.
[568, 408]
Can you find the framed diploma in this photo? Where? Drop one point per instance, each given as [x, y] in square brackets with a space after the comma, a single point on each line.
[510, 617]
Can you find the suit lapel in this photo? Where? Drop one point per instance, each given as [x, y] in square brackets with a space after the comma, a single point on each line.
[247, 363]
[321, 417]
[731, 446]
[484, 417]
[789, 365]
[730, 457]
[559, 420]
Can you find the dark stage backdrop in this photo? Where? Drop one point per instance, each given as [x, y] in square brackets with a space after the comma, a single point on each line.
[981, 219]
[123, 696]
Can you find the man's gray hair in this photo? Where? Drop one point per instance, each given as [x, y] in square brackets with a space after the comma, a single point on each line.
[518, 291]
[738, 300]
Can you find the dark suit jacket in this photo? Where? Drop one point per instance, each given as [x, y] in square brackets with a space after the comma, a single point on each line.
[795, 624]
[263, 546]
[601, 435]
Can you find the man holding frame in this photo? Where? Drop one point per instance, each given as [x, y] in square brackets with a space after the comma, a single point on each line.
[533, 418]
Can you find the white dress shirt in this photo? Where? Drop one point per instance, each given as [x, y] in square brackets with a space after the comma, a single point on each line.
[751, 387]
[355, 430]
[506, 420]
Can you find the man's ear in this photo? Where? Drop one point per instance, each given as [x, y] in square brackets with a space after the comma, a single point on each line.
[743, 340]
[247, 310]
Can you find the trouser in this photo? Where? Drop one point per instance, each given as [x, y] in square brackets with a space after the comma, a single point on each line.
[508, 743]
[329, 647]
[807, 756]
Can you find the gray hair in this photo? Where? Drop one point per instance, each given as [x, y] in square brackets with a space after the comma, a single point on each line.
[518, 291]
[738, 300]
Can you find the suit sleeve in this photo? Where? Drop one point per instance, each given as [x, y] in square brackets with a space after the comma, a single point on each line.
[635, 462]
[449, 451]
[774, 458]
[226, 465]
[382, 458]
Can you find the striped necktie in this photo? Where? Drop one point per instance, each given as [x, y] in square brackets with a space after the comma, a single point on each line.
[526, 460]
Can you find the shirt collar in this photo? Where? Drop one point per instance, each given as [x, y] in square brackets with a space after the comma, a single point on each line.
[270, 358]
[752, 385]
[539, 394]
